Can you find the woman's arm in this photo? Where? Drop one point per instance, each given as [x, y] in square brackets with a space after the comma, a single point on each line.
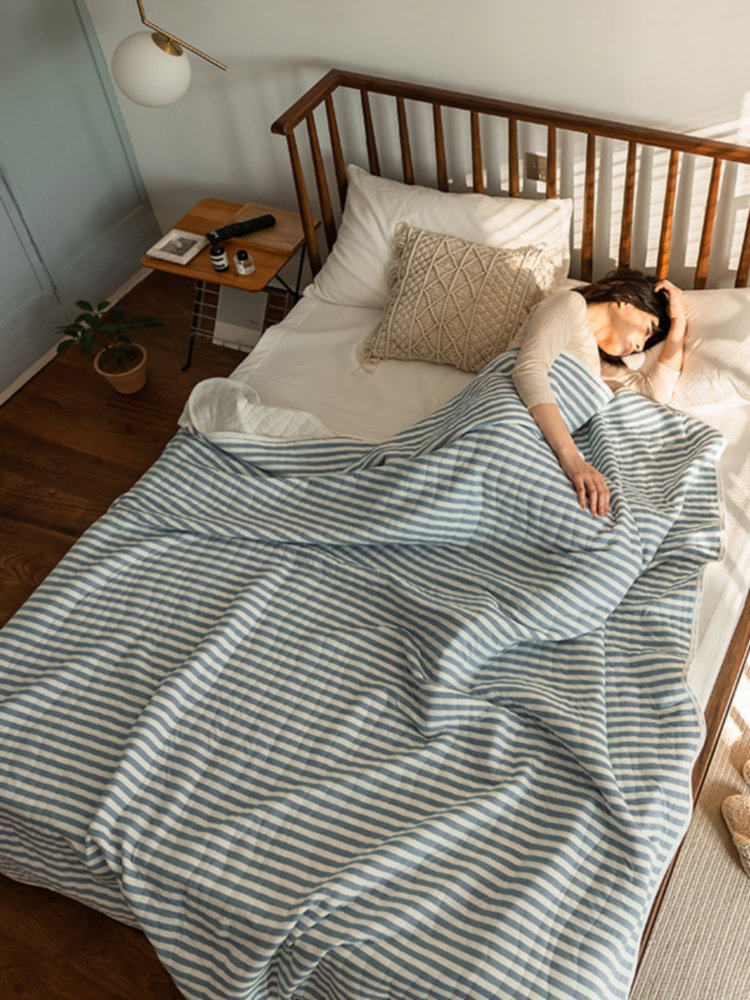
[553, 324]
[588, 482]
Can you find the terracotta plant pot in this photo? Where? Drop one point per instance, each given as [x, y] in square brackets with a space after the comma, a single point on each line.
[126, 377]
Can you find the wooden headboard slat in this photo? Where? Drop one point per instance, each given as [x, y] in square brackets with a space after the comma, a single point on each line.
[683, 150]
[440, 157]
[339, 163]
[709, 219]
[324, 196]
[477, 167]
[514, 186]
[628, 206]
[587, 240]
[372, 147]
[552, 162]
[743, 268]
[667, 222]
[407, 165]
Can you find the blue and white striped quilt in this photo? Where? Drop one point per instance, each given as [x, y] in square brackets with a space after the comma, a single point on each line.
[333, 721]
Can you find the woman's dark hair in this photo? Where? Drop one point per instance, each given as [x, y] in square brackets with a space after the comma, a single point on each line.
[631, 288]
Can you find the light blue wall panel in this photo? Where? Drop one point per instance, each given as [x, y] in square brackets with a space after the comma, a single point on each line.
[76, 216]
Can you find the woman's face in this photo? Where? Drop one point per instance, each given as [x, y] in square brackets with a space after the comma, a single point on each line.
[626, 331]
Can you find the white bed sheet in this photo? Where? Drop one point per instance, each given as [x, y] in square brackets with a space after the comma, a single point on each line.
[310, 363]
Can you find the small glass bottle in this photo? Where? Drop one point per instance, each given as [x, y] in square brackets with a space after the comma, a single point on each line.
[243, 262]
[219, 257]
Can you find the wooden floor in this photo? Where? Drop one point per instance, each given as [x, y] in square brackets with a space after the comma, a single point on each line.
[68, 446]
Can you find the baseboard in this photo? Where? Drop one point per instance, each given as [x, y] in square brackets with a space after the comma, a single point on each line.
[128, 285]
[51, 354]
[28, 374]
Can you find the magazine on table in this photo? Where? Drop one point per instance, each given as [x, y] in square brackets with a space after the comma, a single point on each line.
[178, 246]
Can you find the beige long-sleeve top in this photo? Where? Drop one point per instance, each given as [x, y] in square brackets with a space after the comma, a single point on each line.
[559, 323]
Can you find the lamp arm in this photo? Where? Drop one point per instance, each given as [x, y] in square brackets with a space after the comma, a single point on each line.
[174, 38]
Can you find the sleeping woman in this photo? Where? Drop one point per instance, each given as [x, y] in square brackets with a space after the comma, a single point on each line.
[600, 323]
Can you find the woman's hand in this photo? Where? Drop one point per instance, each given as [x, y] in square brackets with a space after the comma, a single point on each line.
[676, 301]
[591, 489]
[588, 482]
[672, 352]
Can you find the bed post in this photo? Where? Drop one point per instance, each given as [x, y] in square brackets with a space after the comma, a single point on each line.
[308, 222]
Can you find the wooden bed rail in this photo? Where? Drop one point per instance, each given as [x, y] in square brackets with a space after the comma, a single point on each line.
[678, 146]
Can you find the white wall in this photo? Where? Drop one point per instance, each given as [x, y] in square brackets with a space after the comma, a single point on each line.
[678, 64]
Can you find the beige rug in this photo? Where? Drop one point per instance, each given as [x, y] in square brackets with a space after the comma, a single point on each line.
[700, 945]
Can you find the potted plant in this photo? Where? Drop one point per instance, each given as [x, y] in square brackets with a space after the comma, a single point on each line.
[120, 360]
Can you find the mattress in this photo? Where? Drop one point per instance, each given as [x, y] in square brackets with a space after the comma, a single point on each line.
[311, 363]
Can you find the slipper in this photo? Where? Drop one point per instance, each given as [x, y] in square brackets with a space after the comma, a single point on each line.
[746, 771]
[736, 811]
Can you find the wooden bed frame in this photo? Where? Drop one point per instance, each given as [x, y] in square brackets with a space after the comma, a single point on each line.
[557, 125]
[321, 159]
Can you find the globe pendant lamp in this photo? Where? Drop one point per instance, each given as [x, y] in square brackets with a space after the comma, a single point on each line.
[151, 68]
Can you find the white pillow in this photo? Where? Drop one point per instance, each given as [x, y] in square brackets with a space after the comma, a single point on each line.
[716, 367]
[355, 272]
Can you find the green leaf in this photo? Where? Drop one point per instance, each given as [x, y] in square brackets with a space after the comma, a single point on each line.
[102, 327]
[64, 345]
[87, 342]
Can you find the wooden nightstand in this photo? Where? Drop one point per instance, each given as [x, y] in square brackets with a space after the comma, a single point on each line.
[270, 249]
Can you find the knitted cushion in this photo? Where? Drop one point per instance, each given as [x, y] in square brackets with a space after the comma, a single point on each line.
[453, 302]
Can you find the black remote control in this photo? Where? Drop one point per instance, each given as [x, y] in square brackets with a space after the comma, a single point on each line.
[240, 228]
